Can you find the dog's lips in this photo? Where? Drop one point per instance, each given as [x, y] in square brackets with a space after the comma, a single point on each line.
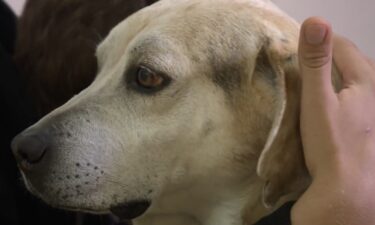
[130, 210]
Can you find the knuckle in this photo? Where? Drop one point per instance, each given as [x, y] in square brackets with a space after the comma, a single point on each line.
[350, 43]
[371, 61]
[343, 41]
[315, 59]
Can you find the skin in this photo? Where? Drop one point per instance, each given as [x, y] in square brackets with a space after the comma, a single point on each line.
[338, 130]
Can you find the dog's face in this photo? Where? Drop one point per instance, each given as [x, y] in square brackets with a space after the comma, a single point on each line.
[187, 95]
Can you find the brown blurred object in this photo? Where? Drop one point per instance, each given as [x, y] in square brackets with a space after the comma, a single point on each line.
[55, 48]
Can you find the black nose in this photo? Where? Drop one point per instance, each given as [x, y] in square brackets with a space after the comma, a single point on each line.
[29, 149]
[130, 210]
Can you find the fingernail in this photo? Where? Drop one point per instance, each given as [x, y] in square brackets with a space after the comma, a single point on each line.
[315, 33]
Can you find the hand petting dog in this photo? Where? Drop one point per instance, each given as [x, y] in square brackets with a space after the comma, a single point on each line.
[338, 130]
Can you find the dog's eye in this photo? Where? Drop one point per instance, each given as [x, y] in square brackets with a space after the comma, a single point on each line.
[147, 78]
[148, 81]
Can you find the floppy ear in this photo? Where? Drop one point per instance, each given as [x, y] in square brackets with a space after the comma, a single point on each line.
[281, 163]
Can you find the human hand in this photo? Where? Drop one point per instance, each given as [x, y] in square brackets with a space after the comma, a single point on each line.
[338, 130]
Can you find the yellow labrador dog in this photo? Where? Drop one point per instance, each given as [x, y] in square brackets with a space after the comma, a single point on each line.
[192, 119]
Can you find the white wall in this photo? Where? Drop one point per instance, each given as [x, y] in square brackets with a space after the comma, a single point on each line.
[354, 19]
[16, 5]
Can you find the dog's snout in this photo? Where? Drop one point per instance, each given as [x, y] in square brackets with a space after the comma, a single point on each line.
[29, 149]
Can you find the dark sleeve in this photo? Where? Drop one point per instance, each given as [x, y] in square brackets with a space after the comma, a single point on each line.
[280, 216]
[15, 105]
[15, 115]
[8, 27]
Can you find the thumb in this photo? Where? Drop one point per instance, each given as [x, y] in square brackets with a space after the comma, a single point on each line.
[315, 58]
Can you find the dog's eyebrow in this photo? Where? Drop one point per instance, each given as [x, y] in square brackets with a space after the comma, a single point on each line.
[148, 45]
[157, 52]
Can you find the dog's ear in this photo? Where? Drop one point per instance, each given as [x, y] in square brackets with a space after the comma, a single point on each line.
[281, 164]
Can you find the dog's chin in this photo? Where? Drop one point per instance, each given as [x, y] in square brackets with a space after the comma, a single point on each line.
[71, 204]
[130, 209]
[125, 211]
[68, 205]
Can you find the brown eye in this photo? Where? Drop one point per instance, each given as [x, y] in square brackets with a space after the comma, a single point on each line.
[148, 79]
[145, 80]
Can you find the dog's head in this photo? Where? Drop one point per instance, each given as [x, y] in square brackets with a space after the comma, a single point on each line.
[191, 96]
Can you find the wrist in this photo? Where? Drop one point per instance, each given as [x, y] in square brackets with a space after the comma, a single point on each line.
[328, 202]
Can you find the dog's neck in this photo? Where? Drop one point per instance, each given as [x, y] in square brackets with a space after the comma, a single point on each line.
[198, 204]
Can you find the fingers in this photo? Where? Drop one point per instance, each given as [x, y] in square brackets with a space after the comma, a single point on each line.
[353, 65]
[315, 57]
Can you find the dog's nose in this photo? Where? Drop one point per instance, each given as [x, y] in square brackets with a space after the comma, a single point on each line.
[29, 149]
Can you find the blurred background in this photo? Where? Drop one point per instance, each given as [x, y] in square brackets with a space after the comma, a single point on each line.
[353, 19]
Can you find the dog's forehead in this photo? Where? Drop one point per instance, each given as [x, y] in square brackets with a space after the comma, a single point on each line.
[180, 15]
[179, 18]
[177, 15]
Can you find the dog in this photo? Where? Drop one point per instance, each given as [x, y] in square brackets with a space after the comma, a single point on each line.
[192, 119]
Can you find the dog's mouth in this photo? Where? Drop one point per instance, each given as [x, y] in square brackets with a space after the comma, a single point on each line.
[130, 210]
